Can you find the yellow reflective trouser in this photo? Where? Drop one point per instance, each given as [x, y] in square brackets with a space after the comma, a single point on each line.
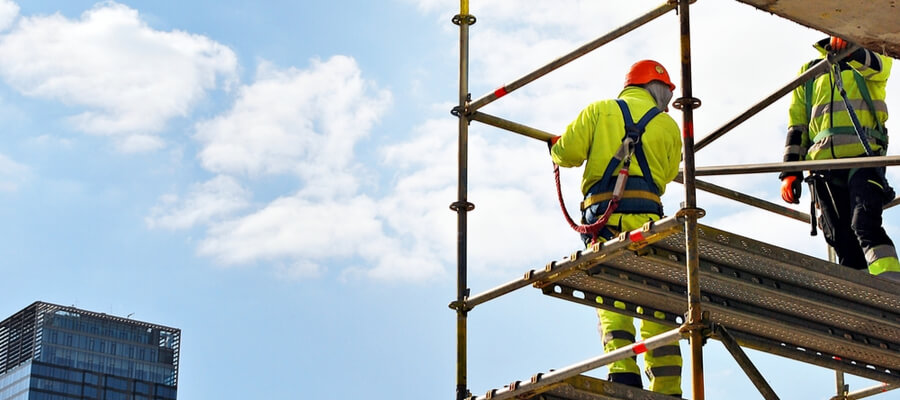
[663, 364]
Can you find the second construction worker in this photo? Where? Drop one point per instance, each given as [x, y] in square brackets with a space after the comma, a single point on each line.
[597, 137]
[827, 124]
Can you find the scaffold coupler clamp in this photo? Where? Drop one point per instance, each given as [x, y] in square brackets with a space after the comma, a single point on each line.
[462, 111]
[681, 102]
[462, 205]
[460, 305]
[695, 212]
[467, 19]
[705, 326]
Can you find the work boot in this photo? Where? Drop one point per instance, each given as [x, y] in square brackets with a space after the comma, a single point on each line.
[627, 378]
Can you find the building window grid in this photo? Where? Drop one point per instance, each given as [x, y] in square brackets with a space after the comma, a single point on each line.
[55, 386]
[58, 382]
[26, 329]
[70, 322]
[76, 359]
[92, 359]
[121, 349]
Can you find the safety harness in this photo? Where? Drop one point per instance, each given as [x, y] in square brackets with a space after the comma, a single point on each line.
[627, 196]
[820, 179]
[863, 133]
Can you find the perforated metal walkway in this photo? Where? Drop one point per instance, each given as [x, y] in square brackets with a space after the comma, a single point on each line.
[770, 299]
[583, 387]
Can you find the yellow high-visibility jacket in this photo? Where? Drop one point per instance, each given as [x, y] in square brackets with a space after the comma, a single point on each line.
[598, 131]
[826, 129]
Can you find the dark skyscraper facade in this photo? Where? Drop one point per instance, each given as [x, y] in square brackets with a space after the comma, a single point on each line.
[52, 352]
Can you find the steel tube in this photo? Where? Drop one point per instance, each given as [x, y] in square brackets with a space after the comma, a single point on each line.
[863, 393]
[744, 362]
[811, 73]
[749, 200]
[575, 54]
[840, 385]
[462, 204]
[814, 165]
[893, 203]
[778, 348]
[511, 126]
[559, 375]
[619, 243]
[692, 256]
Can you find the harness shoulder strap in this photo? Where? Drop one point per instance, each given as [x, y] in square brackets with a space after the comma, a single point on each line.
[864, 91]
[636, 131]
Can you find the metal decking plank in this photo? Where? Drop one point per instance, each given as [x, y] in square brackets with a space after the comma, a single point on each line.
[584, 387]
[792, 341]
[773, 295]
[785, 265]
[759, 291]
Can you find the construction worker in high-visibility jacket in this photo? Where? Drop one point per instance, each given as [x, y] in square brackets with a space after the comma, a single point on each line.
[821, 127]
[595, 136]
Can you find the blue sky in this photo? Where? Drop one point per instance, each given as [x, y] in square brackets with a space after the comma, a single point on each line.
[274, 178]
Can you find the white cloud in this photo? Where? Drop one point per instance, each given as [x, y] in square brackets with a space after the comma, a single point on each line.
[50, 140]
[301, 269]
[303, 122]
[217, 198]
[299, 235]
[295, 227]
[130, 78]
[9, 11]
[516, 218]
[12, 174]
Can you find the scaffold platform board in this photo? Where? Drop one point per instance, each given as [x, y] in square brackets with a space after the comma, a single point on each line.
[583, 387]
[771, 299]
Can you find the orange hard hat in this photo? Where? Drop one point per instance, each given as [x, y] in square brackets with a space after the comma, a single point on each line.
[645, 71]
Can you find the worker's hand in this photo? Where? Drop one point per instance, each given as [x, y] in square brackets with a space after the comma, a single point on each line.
[837, 44]
[791, 189]
[552, 141]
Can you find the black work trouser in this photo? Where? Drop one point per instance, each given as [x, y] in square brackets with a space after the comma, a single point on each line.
[851, 213]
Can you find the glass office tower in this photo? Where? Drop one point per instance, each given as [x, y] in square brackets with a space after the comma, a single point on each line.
[52, 352]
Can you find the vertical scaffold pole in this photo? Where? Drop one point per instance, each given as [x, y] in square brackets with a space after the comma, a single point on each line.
[462, 205]
[687, 103]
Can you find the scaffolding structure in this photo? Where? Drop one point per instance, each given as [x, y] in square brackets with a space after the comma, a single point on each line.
[754, 294]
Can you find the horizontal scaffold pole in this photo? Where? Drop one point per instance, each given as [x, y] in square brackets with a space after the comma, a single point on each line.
[812, 73]
[892, 203]
[813, 165]
[559, 62]
[744, 362]
[621, 242]
[747, 199]
[543, 380]
[511, 126]
[863, 393]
